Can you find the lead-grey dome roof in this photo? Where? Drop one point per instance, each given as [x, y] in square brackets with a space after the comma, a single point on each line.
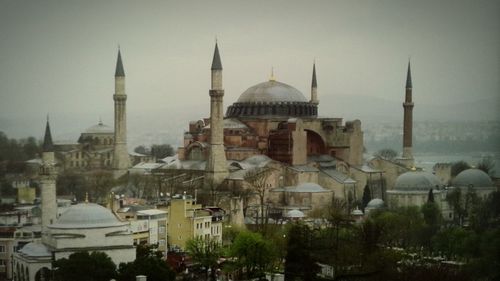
[474, 178]
[375, 203]
[99, 129]
[271, 91]
[417, 181]
[86, 215]
[272, 98]
[35, 249]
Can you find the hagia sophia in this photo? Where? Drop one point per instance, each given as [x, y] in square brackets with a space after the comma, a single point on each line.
[271, 125]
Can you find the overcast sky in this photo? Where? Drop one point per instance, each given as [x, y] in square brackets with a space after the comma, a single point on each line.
[58, 57]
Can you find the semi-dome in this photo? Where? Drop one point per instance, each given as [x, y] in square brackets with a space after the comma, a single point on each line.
[472, 178]
[416, 181]
[35, 249]
[272, 98]
[100, 128]
[86, 215]
[271, 91]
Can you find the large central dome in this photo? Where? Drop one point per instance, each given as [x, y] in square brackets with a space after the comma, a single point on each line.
[272, 91]
[272, 98]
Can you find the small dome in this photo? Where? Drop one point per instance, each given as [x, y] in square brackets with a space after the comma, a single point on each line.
[375, 203]
[271, 91]
[35, 249]
[86, 215]
[416, 181]
[295, 214]
[357, 212]
[99, 129]
[473, 178]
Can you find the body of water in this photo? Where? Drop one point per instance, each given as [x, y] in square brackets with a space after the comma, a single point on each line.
[428, 160]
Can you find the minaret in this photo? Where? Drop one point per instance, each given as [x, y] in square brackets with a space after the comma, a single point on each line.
[121, 161]
[314, 87]
[48, 177]
[408, 118]
[216, 168]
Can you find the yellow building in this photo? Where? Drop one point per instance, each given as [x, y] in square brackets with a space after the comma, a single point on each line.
[188, 220]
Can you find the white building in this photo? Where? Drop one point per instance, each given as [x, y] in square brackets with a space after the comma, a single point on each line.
[83, 227]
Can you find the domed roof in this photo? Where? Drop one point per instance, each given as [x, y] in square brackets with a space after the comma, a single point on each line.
[375, 203]
[357, 212]
[474, 178]
[99, 129]
[295, 214]
[271, 91]
[86, 215]
[417, 181]
[35, 249]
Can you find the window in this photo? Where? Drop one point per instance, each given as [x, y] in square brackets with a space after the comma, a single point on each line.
[2, 249]
[161, 229]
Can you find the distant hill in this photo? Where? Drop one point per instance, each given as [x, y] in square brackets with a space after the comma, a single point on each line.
[374, 109]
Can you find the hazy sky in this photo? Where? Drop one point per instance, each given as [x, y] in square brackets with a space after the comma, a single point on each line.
[58, 57]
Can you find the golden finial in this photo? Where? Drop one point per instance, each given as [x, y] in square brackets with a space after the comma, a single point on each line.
[86, 197]
[272, 78]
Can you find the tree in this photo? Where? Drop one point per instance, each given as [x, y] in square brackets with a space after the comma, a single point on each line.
[82, 266]
[71, 183]
[487, 165]
[367, 197]
[458, 167]
[148, 262]
[100, 183]
[386, 153]
[432, 218]
[300, 263]
[206, 252]
[254, 254]
[145, 185]
[455, 199]
[141, 149]
[258, 178]
[430, 196]
[160, 151]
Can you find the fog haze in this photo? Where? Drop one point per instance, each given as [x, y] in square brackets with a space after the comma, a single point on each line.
[58, 57]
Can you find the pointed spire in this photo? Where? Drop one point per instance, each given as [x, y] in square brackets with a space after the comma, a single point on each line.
[272, 78]
[408, 76]
[47, 146]
[119, 66]
[216, 63]
[314, 84]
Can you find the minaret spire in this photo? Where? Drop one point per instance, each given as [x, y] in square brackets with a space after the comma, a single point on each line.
[314, 84]
[408, 119]
[47, 181]
[314, 91]
[48, 145]
[216, 168]
[121, 160]
[216, 63]
[408, 76]
[119, 72]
